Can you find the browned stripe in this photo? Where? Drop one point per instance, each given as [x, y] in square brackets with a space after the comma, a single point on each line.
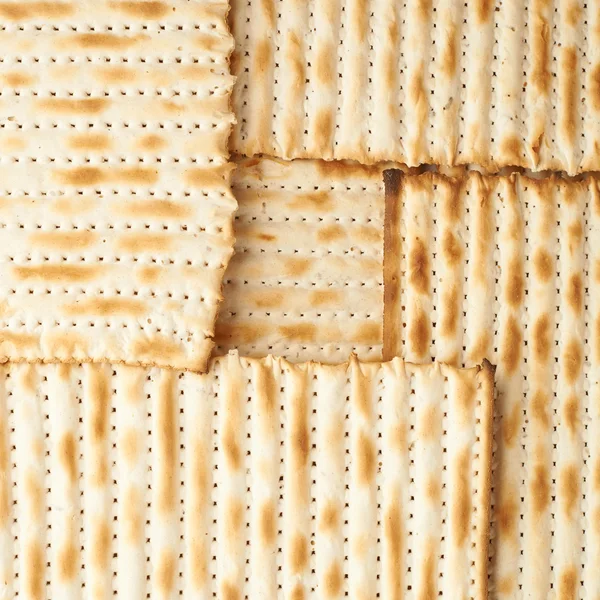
[391, 264]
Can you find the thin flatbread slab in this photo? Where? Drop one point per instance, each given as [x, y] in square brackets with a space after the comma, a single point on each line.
[260, 479]
[306, 280]
[116, 209]
[508, 268]
[498, 84]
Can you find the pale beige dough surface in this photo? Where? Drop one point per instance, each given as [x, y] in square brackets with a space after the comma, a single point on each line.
[260, 479]
[511, 83]
[115, 204]
[508, 269]
[306, 280]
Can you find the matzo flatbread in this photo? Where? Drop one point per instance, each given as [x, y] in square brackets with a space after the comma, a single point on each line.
[498, 84]
[306, 281]
[508, 268]
[115, 211]
[260, 479]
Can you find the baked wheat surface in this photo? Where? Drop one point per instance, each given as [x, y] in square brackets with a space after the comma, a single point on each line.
[260, 479]
[115, 205]
[511, 83]
[306, 280]
[510, 271]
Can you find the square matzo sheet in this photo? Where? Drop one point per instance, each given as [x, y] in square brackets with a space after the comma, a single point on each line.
[115, 205]
[496, 83]
[260, 479]
[306, 279]
[508, 268]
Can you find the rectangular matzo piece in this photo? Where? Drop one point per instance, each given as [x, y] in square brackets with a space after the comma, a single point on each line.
[508, 268]
[306, 280]
[260, 479]
[115, 204]
[495, 83]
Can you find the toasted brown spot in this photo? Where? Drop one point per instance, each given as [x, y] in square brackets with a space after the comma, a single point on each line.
[540, 72]
[63, 240]
[233, 453]
[451, 249]
[151, 143]
[300, 441]
[165, 573]
[300, 332]
[107, 307]
[429, 423]
[267, 524]
[368, 333]
[99, 395]
[568, 584]
[330, 233]
[449, 53]
[130, 446]
[332, 580]
[34, 495]
[571, 414]
[16, 79]
[89, 142]
[483, 10]
[67, 455]
[541, 338]
[208, 178]
[433, 490]
[461, 509]
[506, 585]
[543, 264]
[142, 9]
[115, 74]
[366, 459]
[539, 408]
[329, 519]
[165, 209]
[58, 274]
[138, 243]
[34, 559]
[515, 286]
[81, 176]
[428, 590]
[507, 517]
[392, 531]
[511, 425]
[573, 13]
[343, 170]
[263, 58]
[575, 293]
[266, 298]
[101, 540]
[510, 354]
[67, 562]
[594, 89]
[229, 591]
[511, 149]
[568, 486]
[321, 298]
[234, 519]
[133, 521]
[450, 312]
[569, 92]
[320, 201]
[323, 131]
[575, 234]
[70, 106]
[17, 11]
[297, 592]
[324, 64]
[418, 267]
[419, 334]
[102, 41]
[572, 360]
[298, 553]
[540, 489]
[136, 175]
